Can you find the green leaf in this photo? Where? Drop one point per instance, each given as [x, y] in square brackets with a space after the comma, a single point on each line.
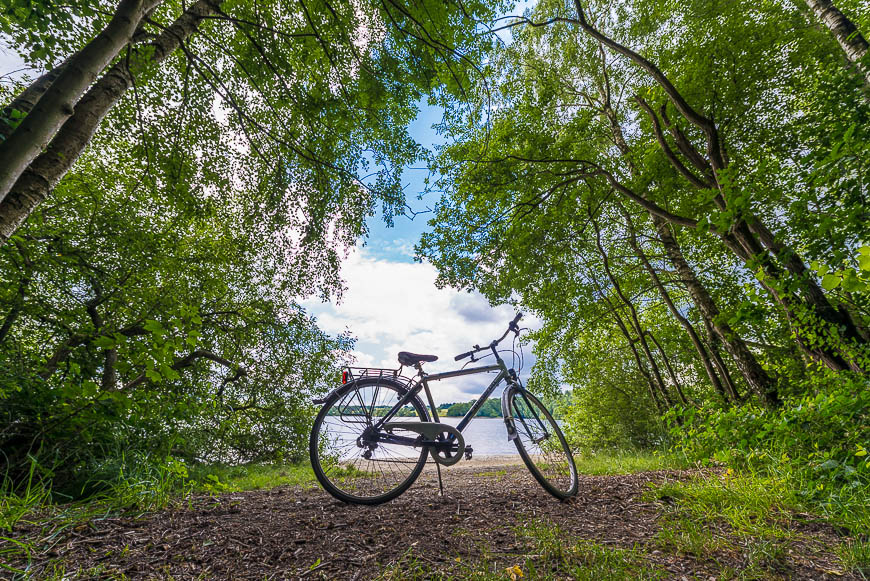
[154, 327]
[851, 282]
[89, 388]
[831, 281]
[104, 342]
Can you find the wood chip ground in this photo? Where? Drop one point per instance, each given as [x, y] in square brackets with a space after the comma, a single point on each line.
[303, 533]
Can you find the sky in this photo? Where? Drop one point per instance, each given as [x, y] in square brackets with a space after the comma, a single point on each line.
[391, 303]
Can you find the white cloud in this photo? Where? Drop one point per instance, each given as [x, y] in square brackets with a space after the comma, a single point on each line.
[394, 306]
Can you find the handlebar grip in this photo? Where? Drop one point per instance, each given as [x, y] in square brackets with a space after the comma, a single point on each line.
[463, 355]
[517, 319]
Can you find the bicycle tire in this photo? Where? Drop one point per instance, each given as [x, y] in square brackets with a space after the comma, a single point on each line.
[338, 459]
[552, 465]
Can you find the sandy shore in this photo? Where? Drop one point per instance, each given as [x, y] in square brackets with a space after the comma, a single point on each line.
[482, 463]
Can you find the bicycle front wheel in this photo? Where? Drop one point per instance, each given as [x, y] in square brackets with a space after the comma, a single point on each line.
[346, 455]
[541, 444]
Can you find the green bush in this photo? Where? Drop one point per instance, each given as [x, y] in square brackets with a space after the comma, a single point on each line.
[817, 441]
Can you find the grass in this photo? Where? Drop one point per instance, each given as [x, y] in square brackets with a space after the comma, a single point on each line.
[145, 488]
[558, 556]
[724, 518]
[216, 478]
[551, 554]
[754, 515]
[684, 535]
[751, 505]
[707, 518]
[855, 555]
[626, 462]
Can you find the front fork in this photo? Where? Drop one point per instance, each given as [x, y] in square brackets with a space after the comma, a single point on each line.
[513, 383]
[510, 421]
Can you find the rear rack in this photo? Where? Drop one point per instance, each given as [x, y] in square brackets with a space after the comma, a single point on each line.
[349, 374]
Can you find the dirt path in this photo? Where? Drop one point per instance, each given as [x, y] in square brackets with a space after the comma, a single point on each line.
[292, 533]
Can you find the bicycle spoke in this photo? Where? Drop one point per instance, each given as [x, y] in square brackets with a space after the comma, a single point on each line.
[354, 461]
[543, 447]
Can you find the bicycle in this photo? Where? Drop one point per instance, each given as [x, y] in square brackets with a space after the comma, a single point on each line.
[372, 436]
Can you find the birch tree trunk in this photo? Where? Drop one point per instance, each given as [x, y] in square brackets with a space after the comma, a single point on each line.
[846, 34]
[37, 181]
[634, 319]
[757, 378]
[727, 381]
[669, 367]
[58, 102]
[653, 391]
[675, 312]
[24, 102]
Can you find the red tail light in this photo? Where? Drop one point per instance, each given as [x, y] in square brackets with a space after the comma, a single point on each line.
[344, 377]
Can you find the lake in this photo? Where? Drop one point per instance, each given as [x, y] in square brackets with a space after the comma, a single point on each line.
[488, 436]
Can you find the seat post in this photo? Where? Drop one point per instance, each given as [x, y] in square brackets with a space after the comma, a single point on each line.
[434, 410]
[432, 407]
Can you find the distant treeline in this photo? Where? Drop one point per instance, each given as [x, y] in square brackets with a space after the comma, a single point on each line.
[490, 409]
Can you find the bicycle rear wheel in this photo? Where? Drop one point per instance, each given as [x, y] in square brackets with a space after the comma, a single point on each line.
[541, 444]
[349, 463]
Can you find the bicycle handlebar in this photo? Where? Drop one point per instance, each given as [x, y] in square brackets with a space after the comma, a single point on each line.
[512, 326]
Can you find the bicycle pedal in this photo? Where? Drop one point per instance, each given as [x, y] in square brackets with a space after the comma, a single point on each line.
[468, 452]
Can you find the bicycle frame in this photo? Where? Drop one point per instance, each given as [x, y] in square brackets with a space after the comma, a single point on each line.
[504, 374]
[423, 384]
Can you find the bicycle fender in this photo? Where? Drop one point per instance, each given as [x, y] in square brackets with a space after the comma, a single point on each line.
[505, 413]
[322, 400]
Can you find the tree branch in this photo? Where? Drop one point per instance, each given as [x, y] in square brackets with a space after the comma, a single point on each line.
[666, 148]
[188, 361]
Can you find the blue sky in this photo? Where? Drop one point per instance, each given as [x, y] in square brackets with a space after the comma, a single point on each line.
[395, 243]
[391, 302]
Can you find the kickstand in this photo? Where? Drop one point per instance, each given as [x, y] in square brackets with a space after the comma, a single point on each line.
[440, 484]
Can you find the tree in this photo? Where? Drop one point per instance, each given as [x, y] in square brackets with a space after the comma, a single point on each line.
[136, 323]
[651, 180]
[324, 91]
[843, 29]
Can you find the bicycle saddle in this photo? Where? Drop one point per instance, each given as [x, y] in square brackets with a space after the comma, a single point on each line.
[406, 358]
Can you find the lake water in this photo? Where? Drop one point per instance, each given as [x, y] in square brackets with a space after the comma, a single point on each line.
[488, 436]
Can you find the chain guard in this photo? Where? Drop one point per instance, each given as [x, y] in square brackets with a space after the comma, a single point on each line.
[434, 431]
